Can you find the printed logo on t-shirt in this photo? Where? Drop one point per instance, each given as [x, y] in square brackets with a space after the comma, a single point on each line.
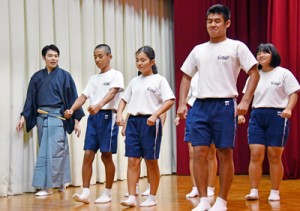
[276, 83]
[149, 89]
[220, 57]
[106, 83]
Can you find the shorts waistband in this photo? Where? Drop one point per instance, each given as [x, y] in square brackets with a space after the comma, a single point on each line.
[215, 99]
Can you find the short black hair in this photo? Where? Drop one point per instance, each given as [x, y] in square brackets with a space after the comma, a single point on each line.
[219, 9]
[269, 48]
[50, 47]
[105, 47]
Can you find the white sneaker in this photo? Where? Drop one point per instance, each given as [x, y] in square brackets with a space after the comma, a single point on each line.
[130, 202]
[147, 191]
[274, 195]
[149, 202]
[44, 192]
[104, 198]
[219, 205]
[203, 205]
[194, 193]
[253, 195]
[81, 198]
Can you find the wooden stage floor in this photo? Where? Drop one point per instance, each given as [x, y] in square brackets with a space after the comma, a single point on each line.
[171, 197]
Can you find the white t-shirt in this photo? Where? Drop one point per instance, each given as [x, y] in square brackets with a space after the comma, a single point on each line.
[274, 88]
[218, 65]
[99, 85]
[145, 95]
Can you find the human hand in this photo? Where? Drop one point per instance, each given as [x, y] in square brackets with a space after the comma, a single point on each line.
[120, 121]
[286, 113]
[68, 113]
[177, 121]
[77, 128]
[182, 111]
[241, 119]
[151, 120]
[20, 124]
[242, 108]
[93, 109]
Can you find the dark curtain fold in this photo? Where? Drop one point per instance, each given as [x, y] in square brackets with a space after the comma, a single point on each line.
[249, 24]
[284, 33]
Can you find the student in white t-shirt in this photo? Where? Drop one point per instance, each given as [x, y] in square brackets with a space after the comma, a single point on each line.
[103, 90]
[218, 63]
[147, 97]
[274, 99]
[212, 160]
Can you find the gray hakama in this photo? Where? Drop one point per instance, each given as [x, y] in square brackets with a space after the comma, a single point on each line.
[53, 161]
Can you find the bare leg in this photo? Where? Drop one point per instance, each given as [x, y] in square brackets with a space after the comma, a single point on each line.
[153, 170]
[226, 171]
[212, 166]
[200, 169]
[191, 162]
[87, 168]
[153, 177]
[109, 168]
[276, 167]
[255, 166]
[133, 174]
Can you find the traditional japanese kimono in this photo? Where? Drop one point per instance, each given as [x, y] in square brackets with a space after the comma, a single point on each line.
[54, 92]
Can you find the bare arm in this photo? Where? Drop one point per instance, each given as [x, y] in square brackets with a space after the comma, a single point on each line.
[163, 109]
[183, 92]
[93, 109]
[121, 107]
[243, 106]
[163, 118]
[77, 104]
[287, 112]
[124, 126]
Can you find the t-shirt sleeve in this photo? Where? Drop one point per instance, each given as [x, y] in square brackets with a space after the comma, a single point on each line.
[246, 58]
[88, 89]
[128, 91]
[118, 81]
[166, 91]
[291, 84]
[189, 66]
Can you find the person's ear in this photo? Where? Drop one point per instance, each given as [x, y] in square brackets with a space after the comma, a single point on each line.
[227, 23]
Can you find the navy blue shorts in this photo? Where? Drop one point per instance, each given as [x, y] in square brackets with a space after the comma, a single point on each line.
[102, 132]
[213, 120]
[267, 127]
[187, 134]
[142, 140]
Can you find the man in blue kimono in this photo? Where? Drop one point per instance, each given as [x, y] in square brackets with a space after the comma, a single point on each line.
[51, 90]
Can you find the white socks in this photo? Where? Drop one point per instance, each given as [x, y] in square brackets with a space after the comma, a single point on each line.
[203, 205]
[253, 195]
[149, 202]
[210, 191]
[131, 201]
[84, 197]
[274, 195]
[147, 191]
[105, 197]
[136, 191]
[193, 193]
[219, 205]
